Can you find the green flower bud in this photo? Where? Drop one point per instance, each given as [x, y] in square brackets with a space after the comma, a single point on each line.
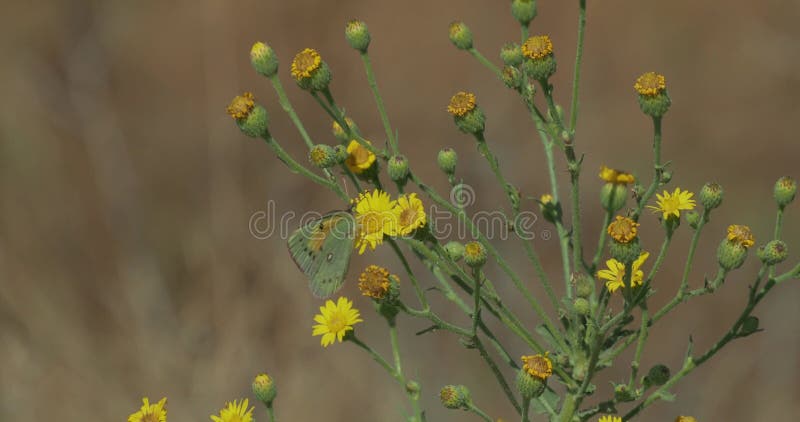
[584, 285]
[711, 195]
[529, 387]
[339, 132]
[693, 218]
[511, 54]
[474, 254]
[731, 255]
[341, 154]
[582, 306]
[412, 387]
[513, 78]
[551, 211]
[310, 71]
[773, 252]
[460, 35]
[523, 11]
[653, 97]
[455, 397]
[398, 169]
[322, 156]
[657, 376]
[447, 160]
[625, 252]
[264, 59]
[749, 326]
[613, 196]
[455, 250]
[540, 63]
[666, 177]
[623, 394]
[785, 190]
[357, 35]
[264, 389]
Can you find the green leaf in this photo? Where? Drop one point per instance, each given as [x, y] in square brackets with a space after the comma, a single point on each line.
[548, 399]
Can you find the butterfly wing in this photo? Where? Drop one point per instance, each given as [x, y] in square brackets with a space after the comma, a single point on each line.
[322, 251]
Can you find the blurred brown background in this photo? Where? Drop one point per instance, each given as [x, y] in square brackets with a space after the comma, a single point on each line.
[127, 267]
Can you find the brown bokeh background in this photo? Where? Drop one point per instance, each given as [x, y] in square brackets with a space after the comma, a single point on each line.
[127, 267]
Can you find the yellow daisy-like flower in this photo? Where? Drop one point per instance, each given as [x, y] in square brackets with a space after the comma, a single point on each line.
[375, 217]
[538, 366]
[741, 234]
[461, 103]
[241, 106]
[607, 418]
[410, 214]
[156, 412]
[673, 203]
[616, 176]
[650, 84]
[359, 158]
[537, 47]
[615, 273]
[685, 419]
[546, 199]
[305, 63]
[335, 320]
[374, 282]
[623, 229]
[235, 412]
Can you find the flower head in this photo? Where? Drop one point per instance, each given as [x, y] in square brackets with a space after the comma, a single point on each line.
[235, 412]
[607, 418]
[741, 235]
[461, 103]
[264, 388]
[616, 176]
[375, 217]
[335, 320]
[241, 106]
[685, 419]
[623, 229]
[650, 84]
[156, 412]
[359, 158]
[538, 366]
[537, 47]
[615, 273]
[305, 63]
[374, 282]
[410, 214]
[673, 203]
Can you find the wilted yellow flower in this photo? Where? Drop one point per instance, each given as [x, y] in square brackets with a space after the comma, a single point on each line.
[650, 84]
[741, 234]
[615, 273]
[305, 63]
[461, 103]
[150, 412]
[616, 176]
[374, 282]
[235, 412]
[241, 106]
[623, 229]
[375, 217]
[359, 158]
[335, 320]
[538, 366]
[673, 203]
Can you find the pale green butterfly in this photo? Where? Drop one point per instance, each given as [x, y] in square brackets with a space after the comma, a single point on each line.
[322, 250]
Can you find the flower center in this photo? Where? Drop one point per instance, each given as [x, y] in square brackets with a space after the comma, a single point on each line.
[337, 322]
[650, 84]
[372, 222]
[408, 216]
[461, 103]
[537, 47]
[241, 106]
[149, 417]
[305, 62]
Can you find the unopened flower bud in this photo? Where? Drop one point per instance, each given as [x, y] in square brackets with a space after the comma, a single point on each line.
[529, 387]
[455, 397]
[264, 59]
[512, 77]
[264, 389]
[693, 218]
[357, 35]
[551, 210]
[613, 196]
[398, 169]
[322, 156]
[460, 35]
[511, 54]
[584, 285]
[581, 306]
[773, 252]
[523, 11]
[711, 195]
[623, 394]
[455, 250]
[785, 190]
[749, 326]
[474, 254]
[657, 376]
[447, 160]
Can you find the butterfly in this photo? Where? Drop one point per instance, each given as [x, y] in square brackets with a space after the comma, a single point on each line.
[322, 250]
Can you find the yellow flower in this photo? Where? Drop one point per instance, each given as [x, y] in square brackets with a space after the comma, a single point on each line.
[615, 274]
[150, 412]
[537, 47]
[538, 366]
[623, 229]
[359, 158]
[616, 176]
[235, 412]
[741, 235]
[374, 282]
[546, 199]
[607, 418]
[375, 217]
[410, 214]
[305, 63]
[461, 103]
[673, 203]
[685, 419]
[335, 320]
[650, 84]
[241, 106]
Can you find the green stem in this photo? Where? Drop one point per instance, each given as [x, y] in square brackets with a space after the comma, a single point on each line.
[526, 32]
[659, 260]
[377, 358]
[526, 404]
[573, 119]
[474, 409]
[777, 234]
[601, 242]
[484, 61]
[379, 101]
[657, 167]
[271, 413]
[639, 347]
[476, 294]
[417, 288]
